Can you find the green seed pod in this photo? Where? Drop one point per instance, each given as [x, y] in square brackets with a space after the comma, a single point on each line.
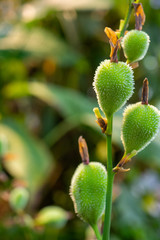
[19, 198]
[135, 45]
[113, 84]
[88, 191]
[52, 216]
[28, 220]
[140, 126]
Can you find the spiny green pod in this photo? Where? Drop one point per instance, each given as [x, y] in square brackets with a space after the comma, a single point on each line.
[88, 189]
[140, 124]
[113, 84]
[135, 45]
[19, 198]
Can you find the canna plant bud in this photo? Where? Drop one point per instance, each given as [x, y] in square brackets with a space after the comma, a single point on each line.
[113, 84]
[88, 187]
[140, 123]
[135, 45]
[51, 216]
[19, 198]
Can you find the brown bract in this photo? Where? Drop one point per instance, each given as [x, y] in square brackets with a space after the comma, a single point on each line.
[145, 92]
[134, 65]
[114, 43]
[83, 150]
[139, 16]
[102, 122]
[120, 165]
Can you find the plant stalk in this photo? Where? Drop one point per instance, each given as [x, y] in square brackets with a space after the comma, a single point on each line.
[110, 178]
[97, 233]
[126, 20]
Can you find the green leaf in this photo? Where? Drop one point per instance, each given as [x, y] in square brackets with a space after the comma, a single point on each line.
[37, 43]
[26, 158]
[67, 101]
[72, 105]
[40, 8]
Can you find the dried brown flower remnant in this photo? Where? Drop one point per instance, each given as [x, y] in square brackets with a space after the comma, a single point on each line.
[83, 150]
[102, 122]
[123, 161]
[145, 92]
[139, 16]
[134, 65]
[114, 43]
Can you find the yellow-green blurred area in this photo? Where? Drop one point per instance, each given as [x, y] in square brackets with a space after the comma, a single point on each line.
[49, 50]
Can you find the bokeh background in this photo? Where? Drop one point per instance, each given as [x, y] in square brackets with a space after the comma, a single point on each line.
[49, 51]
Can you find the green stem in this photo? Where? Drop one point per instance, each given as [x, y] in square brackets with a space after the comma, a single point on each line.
[97, 233]
[110, 178]
[126, 20]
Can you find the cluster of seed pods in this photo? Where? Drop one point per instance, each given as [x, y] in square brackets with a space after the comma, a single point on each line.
[114, 85]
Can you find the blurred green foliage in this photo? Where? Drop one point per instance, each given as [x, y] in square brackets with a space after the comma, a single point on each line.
[49, 51]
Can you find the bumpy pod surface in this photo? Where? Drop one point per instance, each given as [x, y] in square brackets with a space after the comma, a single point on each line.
[88, 191]
[140, 126]
[113, 84]
[135, 45]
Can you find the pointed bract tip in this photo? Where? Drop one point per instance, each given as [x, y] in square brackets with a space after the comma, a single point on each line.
[139, 16]
[97, 112]
[83, 150]
[145, 92]
[114, 43]
[101, 121]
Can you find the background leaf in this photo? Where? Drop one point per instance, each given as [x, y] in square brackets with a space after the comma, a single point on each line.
[67, 101]
[37, 43]
[28, 159]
